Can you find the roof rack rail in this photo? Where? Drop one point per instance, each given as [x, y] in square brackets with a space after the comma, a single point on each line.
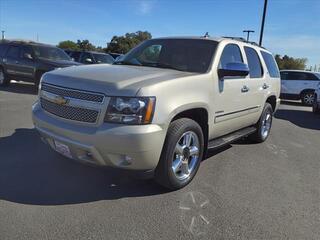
[243, 40]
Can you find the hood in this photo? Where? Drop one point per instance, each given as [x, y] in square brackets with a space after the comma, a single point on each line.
[59, 63]
[113, 80]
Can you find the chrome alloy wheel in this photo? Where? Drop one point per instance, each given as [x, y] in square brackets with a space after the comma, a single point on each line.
[1, 76]
[186, 155]
[308, 98]
[266, 124]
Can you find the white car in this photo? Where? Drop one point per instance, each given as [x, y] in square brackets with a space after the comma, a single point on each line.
[316, 103]
[299, 85]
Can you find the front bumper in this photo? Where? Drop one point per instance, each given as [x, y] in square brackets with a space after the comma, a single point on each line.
[129, 147]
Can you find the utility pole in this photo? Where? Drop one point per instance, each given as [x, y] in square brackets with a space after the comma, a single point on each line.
[2, 33]
[248, 33]
[263, 19]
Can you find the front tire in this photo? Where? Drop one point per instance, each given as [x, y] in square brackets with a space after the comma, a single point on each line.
[263, 125]
[181, 155]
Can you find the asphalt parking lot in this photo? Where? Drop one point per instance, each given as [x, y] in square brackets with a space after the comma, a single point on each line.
[243, 191]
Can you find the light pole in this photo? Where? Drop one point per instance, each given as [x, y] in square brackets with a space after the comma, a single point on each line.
[248, 33]
[263, 19]
[2, 32]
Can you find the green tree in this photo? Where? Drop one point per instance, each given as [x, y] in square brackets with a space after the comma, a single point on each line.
[85, 45]
[68, 45]
[287, 62]
[122, 44]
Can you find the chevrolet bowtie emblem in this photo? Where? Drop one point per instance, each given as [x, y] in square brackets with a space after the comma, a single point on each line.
[60, 100]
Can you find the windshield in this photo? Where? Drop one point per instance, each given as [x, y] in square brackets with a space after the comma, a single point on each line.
[51, 53]
[103, 58]
[190, 55]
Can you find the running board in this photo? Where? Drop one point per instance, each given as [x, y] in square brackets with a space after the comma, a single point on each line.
[231, 137]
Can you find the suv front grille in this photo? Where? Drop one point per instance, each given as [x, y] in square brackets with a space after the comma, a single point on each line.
[70, 112]
[66, 92]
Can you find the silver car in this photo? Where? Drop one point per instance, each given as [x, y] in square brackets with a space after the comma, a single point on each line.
[299, 85]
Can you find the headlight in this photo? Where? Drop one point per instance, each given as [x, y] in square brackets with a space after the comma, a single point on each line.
[130, 110]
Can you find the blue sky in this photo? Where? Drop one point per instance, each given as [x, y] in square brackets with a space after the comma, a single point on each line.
[292, 26]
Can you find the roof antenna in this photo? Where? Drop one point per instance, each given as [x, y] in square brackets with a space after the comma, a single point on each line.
[206, 35]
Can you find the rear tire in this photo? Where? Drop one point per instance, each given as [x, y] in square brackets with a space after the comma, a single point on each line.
[307, 98]
[4, 80]
[181, 154]
[263, 125]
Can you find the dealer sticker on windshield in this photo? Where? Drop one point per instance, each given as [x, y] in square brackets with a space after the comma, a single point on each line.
[63, 149]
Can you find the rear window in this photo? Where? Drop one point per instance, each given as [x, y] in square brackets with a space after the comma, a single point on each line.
[253, 63]
[271, 64]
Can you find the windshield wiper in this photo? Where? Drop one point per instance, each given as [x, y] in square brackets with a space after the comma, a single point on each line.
[168, 66]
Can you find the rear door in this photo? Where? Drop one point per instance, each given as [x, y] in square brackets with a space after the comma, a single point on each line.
[257, 84]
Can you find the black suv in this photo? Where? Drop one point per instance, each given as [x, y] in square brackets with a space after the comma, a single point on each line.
[27, 61]
[90, 57]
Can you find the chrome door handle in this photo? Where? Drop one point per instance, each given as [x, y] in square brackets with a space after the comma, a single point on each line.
[244, 89]
[265, 86]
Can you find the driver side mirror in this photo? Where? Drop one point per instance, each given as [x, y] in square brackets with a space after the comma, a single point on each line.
[234, 69]
[28, 56]
[88, 60]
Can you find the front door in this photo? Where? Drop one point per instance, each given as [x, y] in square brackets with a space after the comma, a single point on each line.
[231, 98]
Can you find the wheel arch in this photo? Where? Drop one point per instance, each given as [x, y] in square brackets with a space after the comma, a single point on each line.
[306, 90]
[198, 114]
[273, 102]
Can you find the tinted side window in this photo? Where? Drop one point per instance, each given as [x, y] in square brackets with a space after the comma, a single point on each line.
[75, 55]
[284, 75]
[13, 52]
[271, 64]
[253, 63]
[85, 56]
[26, 50]
[231, 53]
[3, 48]
[300, 76]
[311, 76]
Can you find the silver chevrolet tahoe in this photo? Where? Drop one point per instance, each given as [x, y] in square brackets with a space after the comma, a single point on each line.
[159, 108]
